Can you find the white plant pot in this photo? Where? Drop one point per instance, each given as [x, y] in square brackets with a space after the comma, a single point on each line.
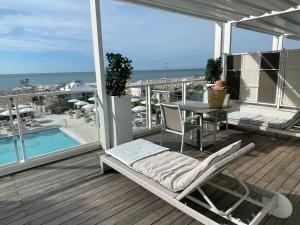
[120, 120]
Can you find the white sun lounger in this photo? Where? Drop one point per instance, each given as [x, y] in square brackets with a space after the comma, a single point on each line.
[265, 123]
[272, 203]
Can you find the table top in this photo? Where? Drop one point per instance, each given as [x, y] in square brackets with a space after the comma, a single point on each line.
[200, 107]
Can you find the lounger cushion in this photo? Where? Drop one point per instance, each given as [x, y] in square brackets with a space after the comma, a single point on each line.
[176, 171]
[133, 151]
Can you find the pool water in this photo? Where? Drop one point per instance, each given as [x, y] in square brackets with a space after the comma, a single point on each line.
[36, 144]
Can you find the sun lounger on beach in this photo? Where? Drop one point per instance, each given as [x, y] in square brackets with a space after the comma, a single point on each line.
[175, 178]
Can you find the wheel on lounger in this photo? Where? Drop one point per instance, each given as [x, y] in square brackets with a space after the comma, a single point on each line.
[284, 207]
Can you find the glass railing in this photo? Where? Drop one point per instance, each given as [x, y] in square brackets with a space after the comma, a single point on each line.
[36, 125]
[146, 99]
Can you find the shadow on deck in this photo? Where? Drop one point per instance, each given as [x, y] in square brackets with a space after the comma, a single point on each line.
[73, 192]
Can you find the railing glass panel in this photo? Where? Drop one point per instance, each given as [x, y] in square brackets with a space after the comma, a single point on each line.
[48, 123]
[9, 138]
[194, 91]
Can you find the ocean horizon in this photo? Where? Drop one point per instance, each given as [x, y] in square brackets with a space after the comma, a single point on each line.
[10, 81]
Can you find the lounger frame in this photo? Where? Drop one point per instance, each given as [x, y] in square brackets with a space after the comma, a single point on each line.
[263, 128]
[268, 204]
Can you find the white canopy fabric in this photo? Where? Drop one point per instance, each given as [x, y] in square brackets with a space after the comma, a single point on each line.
[263, 15]
[92, 99]
[2, 109]
[139, 109]
[144, 102]
[6, 113]
[89, 107]
[21, 106]
[135, 99]
[26, 110]
[81, 103]
[287, 24]
[73, 100]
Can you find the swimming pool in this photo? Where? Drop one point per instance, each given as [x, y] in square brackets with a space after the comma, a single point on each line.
[36, 144]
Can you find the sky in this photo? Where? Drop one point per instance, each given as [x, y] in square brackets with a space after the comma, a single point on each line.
[55, 36]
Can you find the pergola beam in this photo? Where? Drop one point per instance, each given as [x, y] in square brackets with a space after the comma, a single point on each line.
[225, 8]
[236, 6]
[180, 10]
[271, 14]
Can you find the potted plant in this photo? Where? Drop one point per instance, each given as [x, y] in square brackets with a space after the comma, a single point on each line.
[216, 89]
[117, 73]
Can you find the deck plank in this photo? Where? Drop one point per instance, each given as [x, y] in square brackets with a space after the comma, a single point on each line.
[72, 191]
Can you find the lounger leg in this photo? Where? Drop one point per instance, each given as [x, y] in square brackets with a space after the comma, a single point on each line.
[226, 124]
[161, 135]
[182, 143]
[101, 167]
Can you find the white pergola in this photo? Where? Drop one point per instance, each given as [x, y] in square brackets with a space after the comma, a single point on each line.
[280, 18]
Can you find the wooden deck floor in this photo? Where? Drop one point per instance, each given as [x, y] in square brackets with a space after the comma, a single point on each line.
[73, 192]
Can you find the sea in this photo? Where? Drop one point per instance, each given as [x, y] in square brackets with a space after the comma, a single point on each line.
[10, 81]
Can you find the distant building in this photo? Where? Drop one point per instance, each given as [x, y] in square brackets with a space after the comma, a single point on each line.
[77, 85]
[86, 91]
[137, 91]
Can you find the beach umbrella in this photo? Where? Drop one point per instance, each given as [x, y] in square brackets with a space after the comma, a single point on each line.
[26, 110]
[92, 99]
[144, 102]
[6, 113]
[73, 100]
[135, 99]
[21, 106]
[89, 107]
[81, 103]
[139, 109]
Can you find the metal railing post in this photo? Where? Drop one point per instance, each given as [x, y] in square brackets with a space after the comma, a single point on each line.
[20, 128]
[281, 75]
[13, 131]
[184, 97]
[97, 115]
[148, 105]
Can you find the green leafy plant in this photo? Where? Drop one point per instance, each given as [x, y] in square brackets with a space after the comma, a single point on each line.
[117, 73]
[213, 70]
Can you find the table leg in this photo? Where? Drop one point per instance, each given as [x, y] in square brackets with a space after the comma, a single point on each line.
[216, 126]
[201, 132]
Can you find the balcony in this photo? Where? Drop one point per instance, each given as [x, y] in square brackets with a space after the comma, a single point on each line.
[72, 191]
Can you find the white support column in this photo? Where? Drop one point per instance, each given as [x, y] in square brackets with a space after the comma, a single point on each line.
[218, 39]
[184, 98]
[277, 44]
[227, 38]
[100, 75]
[21, 132]
[149, 107]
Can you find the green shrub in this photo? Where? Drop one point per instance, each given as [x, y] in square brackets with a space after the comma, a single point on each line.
[117, 74]
[213, 70]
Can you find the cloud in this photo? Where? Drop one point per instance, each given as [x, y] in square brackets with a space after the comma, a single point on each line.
[41, 26]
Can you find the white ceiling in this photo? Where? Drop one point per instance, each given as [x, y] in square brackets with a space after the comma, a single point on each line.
[274, 17]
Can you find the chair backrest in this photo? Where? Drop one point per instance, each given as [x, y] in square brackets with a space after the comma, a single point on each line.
[171, 117]
[226, 100]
